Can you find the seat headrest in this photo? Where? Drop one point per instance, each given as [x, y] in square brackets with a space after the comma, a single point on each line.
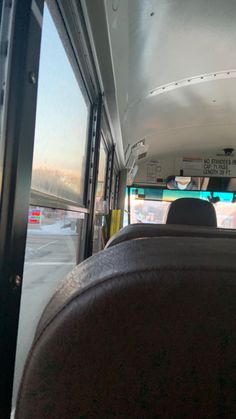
[192, 211]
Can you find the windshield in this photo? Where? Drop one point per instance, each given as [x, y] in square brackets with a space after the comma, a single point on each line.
[151, 205]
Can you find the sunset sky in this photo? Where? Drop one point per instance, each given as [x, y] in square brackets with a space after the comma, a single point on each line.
[61, 119]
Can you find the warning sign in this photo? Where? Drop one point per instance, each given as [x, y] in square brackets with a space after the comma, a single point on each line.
[219, 166]
[209, 166]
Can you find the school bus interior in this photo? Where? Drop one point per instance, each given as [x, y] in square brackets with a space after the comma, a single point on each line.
[117, 209]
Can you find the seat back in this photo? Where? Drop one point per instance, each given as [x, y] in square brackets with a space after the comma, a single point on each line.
[144, 329]
[137, 231]
[192, 211]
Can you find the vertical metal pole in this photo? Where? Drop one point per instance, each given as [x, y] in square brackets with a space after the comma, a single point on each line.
[82, 247]
[111, 173]
[117, 190]
[18, 154]
[129, 206]
[122, 192]
[93, 178]
[90, 146]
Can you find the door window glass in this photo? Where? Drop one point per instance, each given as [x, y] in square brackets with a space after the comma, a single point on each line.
[55, 244]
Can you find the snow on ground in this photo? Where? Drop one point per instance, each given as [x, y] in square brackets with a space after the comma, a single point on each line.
[56, 228]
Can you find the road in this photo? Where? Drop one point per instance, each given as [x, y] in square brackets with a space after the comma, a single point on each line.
[48, 259]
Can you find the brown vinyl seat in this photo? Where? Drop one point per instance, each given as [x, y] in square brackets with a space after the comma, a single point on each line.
[144, 329]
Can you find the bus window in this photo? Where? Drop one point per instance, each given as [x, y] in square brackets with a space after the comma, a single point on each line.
[61, 122]
[57, 216]
[147, 211]
[151, 205]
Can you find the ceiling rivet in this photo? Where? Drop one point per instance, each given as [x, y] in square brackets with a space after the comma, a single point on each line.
[17, 280]
[32, 77]
[115, 5]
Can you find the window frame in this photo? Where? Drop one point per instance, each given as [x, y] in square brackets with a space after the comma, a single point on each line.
[109, 144]
[6, 40]
[73, 18]
[18, 139]
[106, 149]
[38, 198]
[114, 202]
[117, 189]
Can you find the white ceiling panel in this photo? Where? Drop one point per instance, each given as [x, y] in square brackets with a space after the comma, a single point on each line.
[155, 43]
